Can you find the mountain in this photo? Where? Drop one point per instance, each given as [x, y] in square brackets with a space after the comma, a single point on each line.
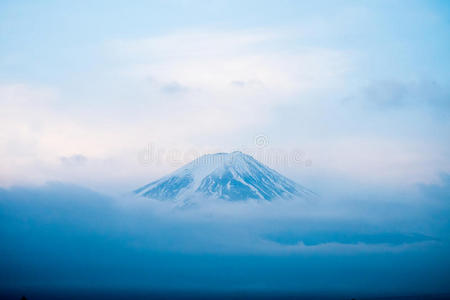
[230, 176]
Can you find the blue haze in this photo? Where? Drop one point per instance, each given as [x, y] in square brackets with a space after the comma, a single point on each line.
[60, 236]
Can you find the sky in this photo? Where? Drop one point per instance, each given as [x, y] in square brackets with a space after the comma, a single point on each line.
[349, 98]
[359, 88]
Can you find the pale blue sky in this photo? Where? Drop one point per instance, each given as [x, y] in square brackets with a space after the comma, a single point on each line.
[51, 33]
[104, 79]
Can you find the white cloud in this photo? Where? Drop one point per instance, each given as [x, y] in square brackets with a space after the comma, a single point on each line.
[205, 90]
[212, 61]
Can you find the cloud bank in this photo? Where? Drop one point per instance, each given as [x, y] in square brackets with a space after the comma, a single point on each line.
[67, 235]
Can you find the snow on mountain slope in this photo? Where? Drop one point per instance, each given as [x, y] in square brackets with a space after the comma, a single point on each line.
[230, 176]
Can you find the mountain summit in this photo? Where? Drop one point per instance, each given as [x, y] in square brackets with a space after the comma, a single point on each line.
[230, 176]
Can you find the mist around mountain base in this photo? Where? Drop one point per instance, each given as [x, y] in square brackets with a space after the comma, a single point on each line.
[361, 241]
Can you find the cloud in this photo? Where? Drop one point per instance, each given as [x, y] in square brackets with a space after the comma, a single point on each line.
[386, 94]
[238, 83]
[250, 83]
[318, 238]
[74, 160]
[191, 91]
[70, 234]
[195, 68]
[398, 94]
[210, 60]
[173, 88]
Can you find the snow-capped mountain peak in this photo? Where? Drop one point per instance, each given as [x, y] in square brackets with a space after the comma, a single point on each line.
[230, 176]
